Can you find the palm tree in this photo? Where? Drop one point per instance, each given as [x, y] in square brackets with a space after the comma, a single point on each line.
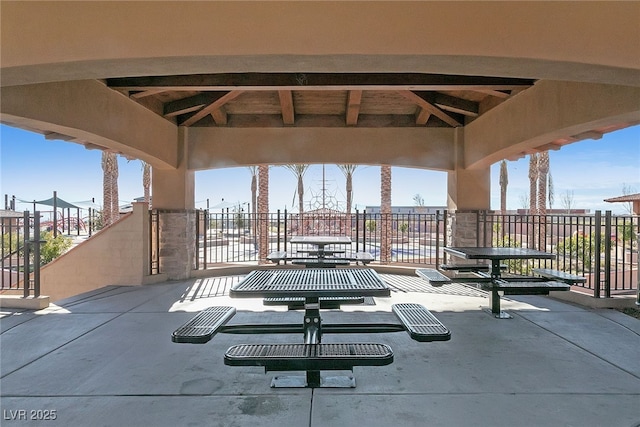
[348, 171]
[263, 212]
[111, 209]
[385, 211]
[543, 171]
[106, 188]
[253, 221]
[146, 181]
[504, 181]
[533, 192]
[299, 171]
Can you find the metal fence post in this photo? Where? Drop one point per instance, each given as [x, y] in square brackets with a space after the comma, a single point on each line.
[277, 230]
[197, 255]
[286, 227]
[638, 272]
[26, 277]
[36, 253]
[597, 243]
[357, 231]
[607, 254]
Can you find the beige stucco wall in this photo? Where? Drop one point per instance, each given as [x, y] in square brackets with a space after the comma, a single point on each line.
[89, 111]
[422, 147]
[545, 112]
[113, 256]
[550, 40]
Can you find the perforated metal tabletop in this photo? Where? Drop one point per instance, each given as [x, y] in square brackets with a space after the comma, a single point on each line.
[311, 282]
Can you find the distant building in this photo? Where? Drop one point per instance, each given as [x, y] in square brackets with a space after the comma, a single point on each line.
[634, 199]
[555, 211]
[408, 209]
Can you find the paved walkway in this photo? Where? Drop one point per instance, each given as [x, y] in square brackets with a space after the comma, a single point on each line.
[106, 359]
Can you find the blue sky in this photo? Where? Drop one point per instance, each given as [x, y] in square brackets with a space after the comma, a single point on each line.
[588, 171]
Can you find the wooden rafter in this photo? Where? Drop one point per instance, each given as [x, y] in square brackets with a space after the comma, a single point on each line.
[209, 109]
[453, 104]
[190, 104]
[286, 103]
[220, 116]
[145, 93]
[432, 109]
[353, 107]
[422, 116]
[494, 93]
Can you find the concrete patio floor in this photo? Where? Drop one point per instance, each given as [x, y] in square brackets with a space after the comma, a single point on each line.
[105, 358]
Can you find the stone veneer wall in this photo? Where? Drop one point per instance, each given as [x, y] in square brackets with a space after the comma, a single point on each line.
[116, 255]
[177, 243]
[462, 228]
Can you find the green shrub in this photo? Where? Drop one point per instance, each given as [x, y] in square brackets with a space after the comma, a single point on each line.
[53, 247]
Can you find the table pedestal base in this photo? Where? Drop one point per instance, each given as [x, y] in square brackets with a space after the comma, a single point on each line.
[300, 381]
[499, 315]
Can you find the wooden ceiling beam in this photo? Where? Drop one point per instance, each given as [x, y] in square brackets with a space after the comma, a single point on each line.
[220, 116]
[422, 116]
[315, 81]
[455, 105]
[426, 105]
[190, 104]
[494, 93]
[145, 93]
[222, 98]
[286, 104]
[354, 98]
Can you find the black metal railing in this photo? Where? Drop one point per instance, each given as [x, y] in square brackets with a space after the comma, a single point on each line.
[599, 246]
[229, 237]
[20, 252]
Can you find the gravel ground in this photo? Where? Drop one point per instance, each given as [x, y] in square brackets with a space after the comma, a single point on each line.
[633, 312]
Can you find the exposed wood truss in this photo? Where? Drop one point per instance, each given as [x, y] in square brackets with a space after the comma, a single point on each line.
[319, 99]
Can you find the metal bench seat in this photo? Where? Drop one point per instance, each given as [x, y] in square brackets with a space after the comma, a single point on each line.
[321, 262]
[468, 268]
[201, 328]
[433, 276]
[526, 288]
[363, 258]
[309, 357]
[420, 323]
[559, 275]
[297, 303]
[277, 256]
[317, 252]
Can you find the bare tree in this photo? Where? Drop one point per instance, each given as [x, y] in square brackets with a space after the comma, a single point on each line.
[627, 190]
[567, 200]
[418, 200]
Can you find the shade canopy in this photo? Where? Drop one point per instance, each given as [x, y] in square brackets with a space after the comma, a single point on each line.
[50, 202]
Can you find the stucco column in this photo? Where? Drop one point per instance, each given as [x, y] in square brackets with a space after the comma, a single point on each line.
[173, 195]
[468, 191]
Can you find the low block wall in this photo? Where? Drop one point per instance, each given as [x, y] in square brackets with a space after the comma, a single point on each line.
[116, 255]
